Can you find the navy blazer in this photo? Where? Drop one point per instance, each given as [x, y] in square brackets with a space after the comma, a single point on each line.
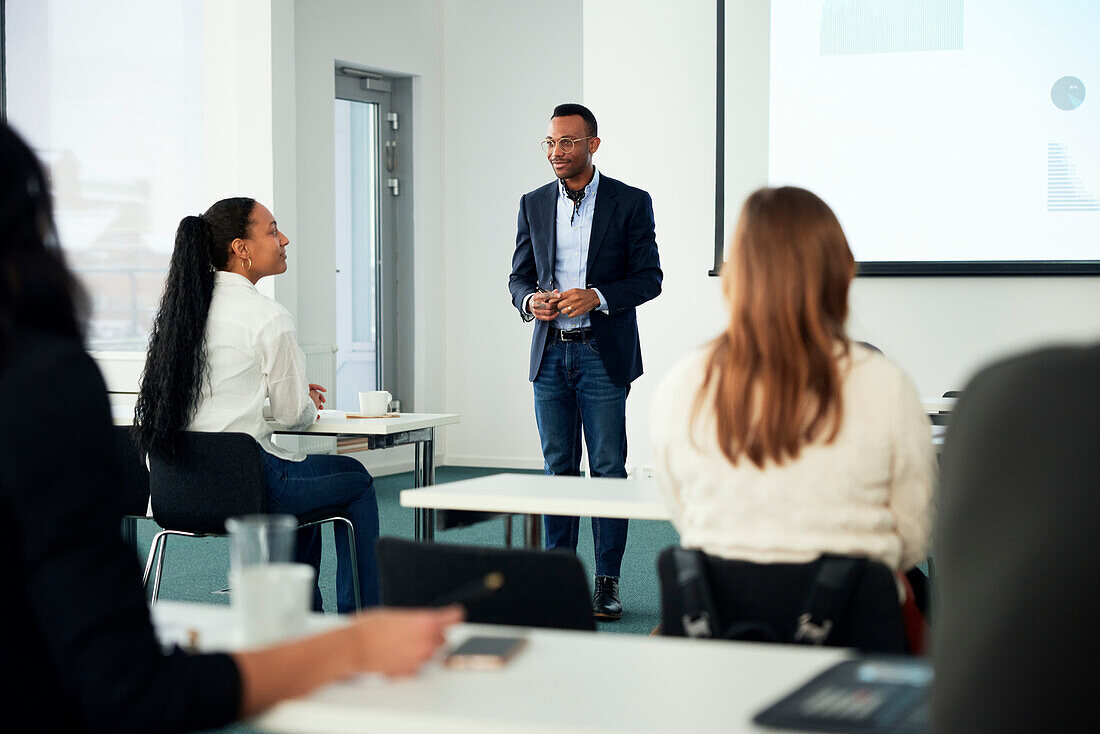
[622, 263]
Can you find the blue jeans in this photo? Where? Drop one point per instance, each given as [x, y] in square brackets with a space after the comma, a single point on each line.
[320, 480]
[574, 393]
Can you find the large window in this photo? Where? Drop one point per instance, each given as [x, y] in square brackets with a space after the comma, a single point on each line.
[109, 94]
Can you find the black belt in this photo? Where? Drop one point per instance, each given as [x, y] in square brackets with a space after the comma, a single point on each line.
[572, 335]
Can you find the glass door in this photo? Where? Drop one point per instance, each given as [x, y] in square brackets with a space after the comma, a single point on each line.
[364, 193]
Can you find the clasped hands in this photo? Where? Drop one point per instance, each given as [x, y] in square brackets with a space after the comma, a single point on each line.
[548, 305]
[315, 394]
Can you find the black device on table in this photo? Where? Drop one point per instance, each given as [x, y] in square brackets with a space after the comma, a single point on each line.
[484, 653]
[869, 695]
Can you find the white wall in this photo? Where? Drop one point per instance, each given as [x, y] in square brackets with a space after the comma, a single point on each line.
[649, 78]
[400, 39]
[648, 75]
[237, 101]
[941, 330]
[487, 74]
[648, 72]
[505, 68]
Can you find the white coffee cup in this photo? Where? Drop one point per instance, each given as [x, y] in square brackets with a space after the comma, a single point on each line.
[374, 403]
[272, 601]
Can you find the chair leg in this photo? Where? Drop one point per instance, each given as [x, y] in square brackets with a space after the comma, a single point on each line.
[532, 534]
[507, 531]
[160, 570]
[350, 529]
[154, 548]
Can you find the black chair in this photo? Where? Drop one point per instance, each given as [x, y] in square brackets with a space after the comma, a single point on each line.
[135, 484]
[775, 594]
[541, 588]
[218, 476]
[1017, 549]
[943, 417]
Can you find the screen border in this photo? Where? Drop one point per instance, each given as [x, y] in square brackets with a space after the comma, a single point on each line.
[886, 268]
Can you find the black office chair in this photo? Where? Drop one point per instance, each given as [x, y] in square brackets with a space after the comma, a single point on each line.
[541, 588]
[943, 417]
[773, 596]
[218, 476]
[135, 484]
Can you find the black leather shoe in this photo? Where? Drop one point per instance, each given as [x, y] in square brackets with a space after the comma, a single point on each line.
[605, 600]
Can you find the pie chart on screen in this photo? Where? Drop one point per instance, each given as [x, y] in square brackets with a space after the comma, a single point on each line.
[1068, 93]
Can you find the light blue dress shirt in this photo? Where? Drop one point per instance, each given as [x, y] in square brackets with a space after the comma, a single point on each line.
[571, 259]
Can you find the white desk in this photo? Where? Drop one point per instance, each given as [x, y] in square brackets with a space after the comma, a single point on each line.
[576, 682]
[366, 427]
[357, 434]
[216, 624]
[535, 495]
[938, 405]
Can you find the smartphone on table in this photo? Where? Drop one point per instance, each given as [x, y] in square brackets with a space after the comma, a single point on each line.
[484, 653]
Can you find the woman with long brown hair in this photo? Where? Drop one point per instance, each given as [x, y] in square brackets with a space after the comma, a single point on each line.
[782, 439]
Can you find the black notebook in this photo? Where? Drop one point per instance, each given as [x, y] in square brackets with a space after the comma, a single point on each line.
[866, 695]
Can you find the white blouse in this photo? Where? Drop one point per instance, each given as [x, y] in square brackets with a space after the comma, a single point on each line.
[868, 493]
[251, 354]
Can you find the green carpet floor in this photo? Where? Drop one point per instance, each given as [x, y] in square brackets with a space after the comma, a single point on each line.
[196, 569]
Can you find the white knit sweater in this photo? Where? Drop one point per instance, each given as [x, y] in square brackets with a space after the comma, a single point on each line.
[868, 493]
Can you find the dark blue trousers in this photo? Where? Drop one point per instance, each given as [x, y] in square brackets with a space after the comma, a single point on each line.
[573, 394]
[321, 480]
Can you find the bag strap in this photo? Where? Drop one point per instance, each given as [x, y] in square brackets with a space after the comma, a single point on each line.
[700, 615]
[829, 598]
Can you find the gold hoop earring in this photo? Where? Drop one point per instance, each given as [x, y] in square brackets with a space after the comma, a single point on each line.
[248, 265]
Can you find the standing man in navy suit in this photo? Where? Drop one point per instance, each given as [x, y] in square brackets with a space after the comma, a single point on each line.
[585, 258]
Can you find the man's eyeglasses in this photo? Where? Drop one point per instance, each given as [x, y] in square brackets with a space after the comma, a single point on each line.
[565, 145]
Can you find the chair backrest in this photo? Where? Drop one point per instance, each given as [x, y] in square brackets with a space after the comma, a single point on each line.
[943, 417]
[541, 588]
[776, 593]
[217, 476]
[1016, 549]
[135, 474]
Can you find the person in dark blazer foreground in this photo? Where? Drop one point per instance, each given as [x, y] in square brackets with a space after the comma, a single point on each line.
[585, 259]
[80, 653]
[1017, 549]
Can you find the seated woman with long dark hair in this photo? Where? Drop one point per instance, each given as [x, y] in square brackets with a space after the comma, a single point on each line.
[219, 348]
[80, 653]
[783, 440]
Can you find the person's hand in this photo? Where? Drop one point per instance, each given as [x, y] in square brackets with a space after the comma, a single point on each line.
[544, 306]
[577, 302]
[399, 641]
[315, 394]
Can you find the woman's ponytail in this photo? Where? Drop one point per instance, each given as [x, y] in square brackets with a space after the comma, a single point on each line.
[176, 362]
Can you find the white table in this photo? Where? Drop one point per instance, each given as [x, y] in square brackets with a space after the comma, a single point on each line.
[535, 495]
[357, 434]
[215, 624]
[384, 433]
[576, 682]
[938, 405]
